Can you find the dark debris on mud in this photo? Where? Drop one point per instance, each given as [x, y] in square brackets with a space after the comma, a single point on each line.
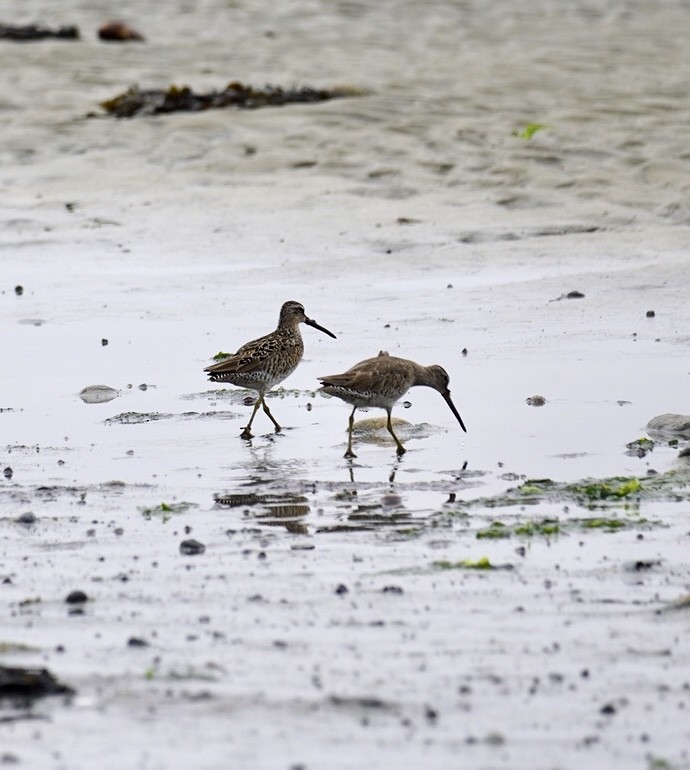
[136, 101]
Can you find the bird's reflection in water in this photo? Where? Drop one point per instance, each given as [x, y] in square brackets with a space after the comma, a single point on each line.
[372, 505]
[278, 509]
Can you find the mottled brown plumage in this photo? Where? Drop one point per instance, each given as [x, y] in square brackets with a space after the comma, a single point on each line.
[263, 363]
[380, 382]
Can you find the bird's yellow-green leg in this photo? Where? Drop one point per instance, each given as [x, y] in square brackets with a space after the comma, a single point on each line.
[247, 432]
[351, 423]
[389, 425]
[268, 412]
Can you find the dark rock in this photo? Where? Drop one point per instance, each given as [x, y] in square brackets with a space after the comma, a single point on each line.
[191, 547]
[119, 32]
[76, 597]
[30, 683]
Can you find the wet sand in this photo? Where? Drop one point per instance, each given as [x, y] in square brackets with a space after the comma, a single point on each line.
[336, 617]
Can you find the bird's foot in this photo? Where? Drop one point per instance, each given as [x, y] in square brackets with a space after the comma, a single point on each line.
[246, 434]
[349, 454]
[401, 450]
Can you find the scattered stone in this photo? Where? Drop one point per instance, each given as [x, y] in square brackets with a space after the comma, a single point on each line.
[609, 708]
[98, 394]
[341, 590]
[668, 426]
[650, 314]
[191, 547]
[570, 295]
[27, 518]
[135, 641]
[19, 290]
[119, 31]
[76, 597]
[430, 713]
[8, 472]
[392, 590]
[641, 565]
[30, 683]
[640, 447]
[104, 342]
[535, 401]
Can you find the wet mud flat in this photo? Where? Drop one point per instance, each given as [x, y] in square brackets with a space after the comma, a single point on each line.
[285, 604]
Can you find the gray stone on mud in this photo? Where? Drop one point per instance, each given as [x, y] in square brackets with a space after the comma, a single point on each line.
[667, 426]
[98, 394]
[191, 547]
[76, 597]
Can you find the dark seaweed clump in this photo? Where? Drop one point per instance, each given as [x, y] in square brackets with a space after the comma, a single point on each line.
[136, 101]
[26, 32]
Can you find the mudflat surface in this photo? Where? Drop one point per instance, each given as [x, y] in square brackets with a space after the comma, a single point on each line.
[513, 597]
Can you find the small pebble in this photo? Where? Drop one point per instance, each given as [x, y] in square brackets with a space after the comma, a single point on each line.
[191, 547]
[76, 597]
[650, 314]
[8, 472]
[535, 401]
[19, 290]
[341, 589]
[135, 641]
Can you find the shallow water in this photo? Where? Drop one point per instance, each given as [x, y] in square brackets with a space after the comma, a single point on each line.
[330, 619]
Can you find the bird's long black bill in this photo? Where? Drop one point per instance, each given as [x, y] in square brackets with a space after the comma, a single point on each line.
[310, 322]
[454, 410]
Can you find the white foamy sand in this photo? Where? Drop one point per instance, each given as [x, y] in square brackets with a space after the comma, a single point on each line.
[414, 219]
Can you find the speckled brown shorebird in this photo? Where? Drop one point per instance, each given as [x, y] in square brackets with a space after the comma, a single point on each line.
[261, 364]
[382, 381]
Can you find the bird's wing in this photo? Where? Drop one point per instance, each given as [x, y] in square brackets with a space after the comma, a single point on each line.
[248, 358]
[380, 373]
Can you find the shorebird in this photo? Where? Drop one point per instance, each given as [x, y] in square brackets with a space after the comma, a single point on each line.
[380, 382]
[263, 363]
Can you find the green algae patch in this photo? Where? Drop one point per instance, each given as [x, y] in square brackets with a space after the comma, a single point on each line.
[497, 530]
[165, 511]
[617, 487]
[543, 528]
[482, 563]
[530, 130]
[623, 492]
[610, 524]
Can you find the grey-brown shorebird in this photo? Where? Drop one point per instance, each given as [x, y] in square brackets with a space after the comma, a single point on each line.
[382, 381]
[263, 363]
